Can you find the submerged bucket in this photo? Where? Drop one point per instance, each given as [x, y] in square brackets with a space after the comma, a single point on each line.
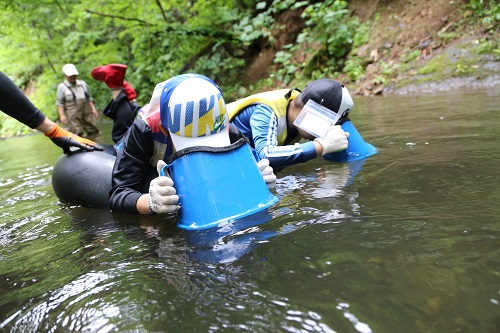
[357, 149]
[217, 184]
[226, 243]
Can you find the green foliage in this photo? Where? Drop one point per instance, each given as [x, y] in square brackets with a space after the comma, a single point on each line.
[435, 64]
[10, 127]
[354, 69]
[362, 33]
[488, 10]
[476, 5]
[250, 29]
[464, 69]
[388, 68]
[488, 46]
[330, 31]
[407, 56]
[448, 35]
[155, 41]
[379, 79]
[160, 39]
[288, 66]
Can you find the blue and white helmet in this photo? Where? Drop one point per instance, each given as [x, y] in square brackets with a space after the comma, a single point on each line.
[193, 110]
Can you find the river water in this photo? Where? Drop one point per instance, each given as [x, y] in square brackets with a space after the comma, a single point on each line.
[407, 240]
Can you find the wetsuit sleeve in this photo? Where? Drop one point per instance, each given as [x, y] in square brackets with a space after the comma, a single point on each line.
[264, 125]
[14, 103]
[123, 114]
[132, 172]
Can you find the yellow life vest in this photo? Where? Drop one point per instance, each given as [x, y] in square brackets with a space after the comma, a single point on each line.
[277, 100]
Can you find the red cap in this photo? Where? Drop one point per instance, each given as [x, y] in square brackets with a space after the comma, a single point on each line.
[112, 74]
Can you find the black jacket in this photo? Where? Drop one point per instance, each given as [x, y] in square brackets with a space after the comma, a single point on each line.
[123, 114]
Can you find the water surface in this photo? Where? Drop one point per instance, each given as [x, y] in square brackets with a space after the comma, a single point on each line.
[404, 241]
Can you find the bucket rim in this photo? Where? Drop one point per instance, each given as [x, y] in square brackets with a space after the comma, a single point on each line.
[207, 149]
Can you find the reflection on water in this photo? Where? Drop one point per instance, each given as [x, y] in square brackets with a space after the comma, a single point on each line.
[405, 238]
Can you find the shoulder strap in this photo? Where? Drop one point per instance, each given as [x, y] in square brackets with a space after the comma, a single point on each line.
[87, 96]
[84, 85]
[74, 96]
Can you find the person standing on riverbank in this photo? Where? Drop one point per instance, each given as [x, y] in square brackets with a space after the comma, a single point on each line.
[15, 104]
[75, 106]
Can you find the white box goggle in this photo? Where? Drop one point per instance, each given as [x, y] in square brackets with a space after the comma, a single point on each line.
[316, 119]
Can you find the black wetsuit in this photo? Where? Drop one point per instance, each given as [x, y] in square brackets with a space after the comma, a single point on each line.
[133, 171]
[123, 114]
[14, 103]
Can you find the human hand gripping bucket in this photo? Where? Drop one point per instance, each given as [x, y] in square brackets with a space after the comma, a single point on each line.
[316, 120]
[216, 185]
[357, 148]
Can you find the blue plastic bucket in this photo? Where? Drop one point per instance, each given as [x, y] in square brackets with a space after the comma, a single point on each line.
[357, 148]
[217, 184]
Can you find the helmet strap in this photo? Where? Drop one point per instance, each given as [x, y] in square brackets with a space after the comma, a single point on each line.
[289, 93]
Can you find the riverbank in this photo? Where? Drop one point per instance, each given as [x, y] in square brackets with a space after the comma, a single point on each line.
[425, 46]
[460, 65]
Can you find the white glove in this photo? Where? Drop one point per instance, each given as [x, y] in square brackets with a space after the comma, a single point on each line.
[335, 140]
[267, 172]
[162, 194]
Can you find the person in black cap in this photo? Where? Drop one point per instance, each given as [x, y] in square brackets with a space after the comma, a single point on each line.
[271, 121]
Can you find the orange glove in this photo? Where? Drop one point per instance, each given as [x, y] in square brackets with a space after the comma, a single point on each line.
[65, 139]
